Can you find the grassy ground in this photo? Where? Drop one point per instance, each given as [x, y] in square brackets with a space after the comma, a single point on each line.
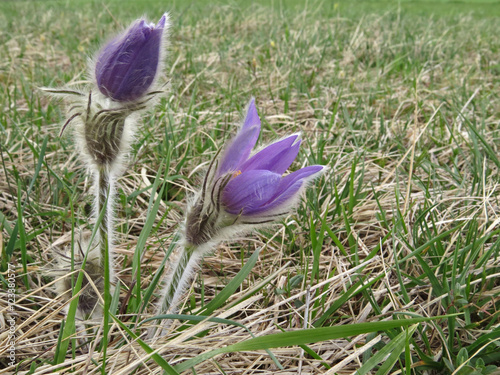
[400, 101]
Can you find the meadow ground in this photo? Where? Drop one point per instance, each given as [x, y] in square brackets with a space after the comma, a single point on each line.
[400, 100]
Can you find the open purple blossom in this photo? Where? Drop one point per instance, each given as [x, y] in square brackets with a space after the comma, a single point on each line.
[126, 67]
[256, 186]
[240, 192]
[241, 189]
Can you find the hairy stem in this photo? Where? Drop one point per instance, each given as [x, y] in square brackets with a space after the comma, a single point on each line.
[103, 209]
[179, 278]
[180, 275]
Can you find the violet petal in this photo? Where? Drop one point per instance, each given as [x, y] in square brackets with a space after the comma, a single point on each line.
[161, 23]
[241, 145]
[288, 188]
[252, 117]
[142, 70]
[301, 174]
[277, 157]
[280, 199]
[249, 191]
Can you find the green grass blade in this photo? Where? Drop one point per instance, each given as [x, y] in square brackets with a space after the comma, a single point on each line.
[156, 281]
[304, 336]
[70, 325]
[397, 349]
[231, 287]
[356, 288]
[141, 242]
[22, 236]
[395, 346]
[489, 150]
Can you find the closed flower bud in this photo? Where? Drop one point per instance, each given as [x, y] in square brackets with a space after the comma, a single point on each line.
[127, 66]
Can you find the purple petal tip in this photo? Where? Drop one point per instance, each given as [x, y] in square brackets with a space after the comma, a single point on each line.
[161, 22]
[316, 168]
[252, 117]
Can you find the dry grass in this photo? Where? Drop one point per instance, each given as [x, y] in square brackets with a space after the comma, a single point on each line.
[403, 108]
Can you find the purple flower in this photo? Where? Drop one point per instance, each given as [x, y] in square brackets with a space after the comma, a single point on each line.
[256, 185]
[243, 190]
[126, 67]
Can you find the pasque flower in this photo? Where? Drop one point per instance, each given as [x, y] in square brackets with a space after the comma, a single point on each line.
[126, 67]
[242, 190]
[105, 115]
[256, 186]
[123, 84]
[239, 193]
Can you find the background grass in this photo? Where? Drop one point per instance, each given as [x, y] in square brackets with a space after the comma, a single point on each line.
[400, 100]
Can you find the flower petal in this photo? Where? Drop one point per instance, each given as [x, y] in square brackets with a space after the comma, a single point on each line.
[163, 20]
[248, 191]
[301, 174]
[281, 199]
[252, 117]
[241, 145]
[276, 157]
[288, 189]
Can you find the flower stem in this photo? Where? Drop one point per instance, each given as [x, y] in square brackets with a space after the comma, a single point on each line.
[104, 211]
[174, 287]
[179, 278]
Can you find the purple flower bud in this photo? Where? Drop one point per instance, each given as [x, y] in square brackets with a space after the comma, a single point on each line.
[126, 67]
